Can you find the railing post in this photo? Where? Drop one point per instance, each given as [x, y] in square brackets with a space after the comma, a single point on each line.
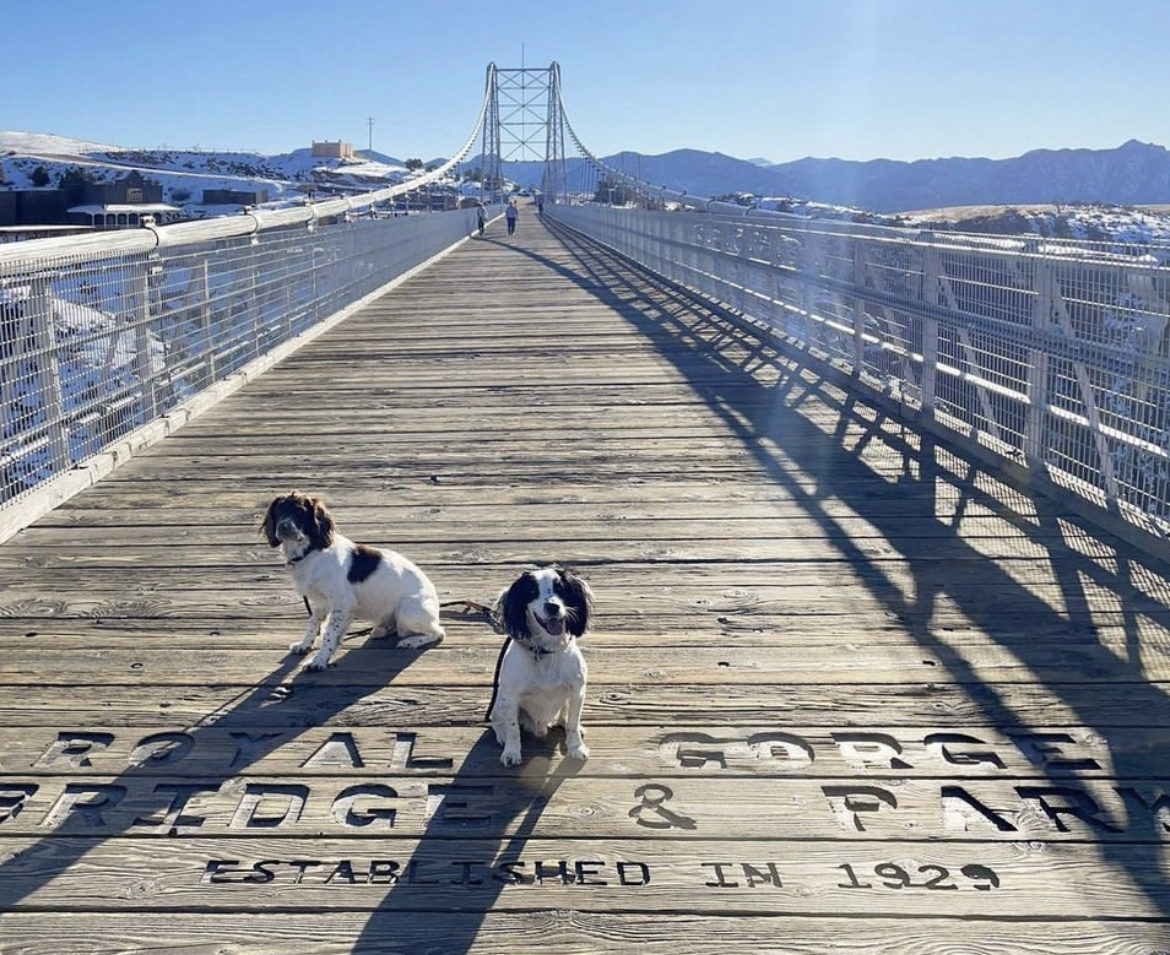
[12, 348]
[203, 279]
[250, 302]
[44, 337]
[140, 317]
[931, 269]
[311, 261]
[807, 255]
[743, 254]
[1037, 378]
[776, 305]
[858, 306]
[287, 283]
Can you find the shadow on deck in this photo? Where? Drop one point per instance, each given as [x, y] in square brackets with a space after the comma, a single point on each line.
[1095, 607]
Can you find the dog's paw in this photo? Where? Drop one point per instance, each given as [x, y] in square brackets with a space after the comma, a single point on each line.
[318, 663]
[419, 640]
[580, 751]
[382, 631]
[510, 757]
[299, 648]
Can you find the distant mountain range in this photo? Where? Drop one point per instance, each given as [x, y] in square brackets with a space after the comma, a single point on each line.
[1132, 174]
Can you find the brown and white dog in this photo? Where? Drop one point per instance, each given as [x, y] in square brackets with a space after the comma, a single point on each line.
[541, 674]
[341, 580]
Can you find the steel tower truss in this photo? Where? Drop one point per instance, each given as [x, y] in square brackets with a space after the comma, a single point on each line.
[525, 123]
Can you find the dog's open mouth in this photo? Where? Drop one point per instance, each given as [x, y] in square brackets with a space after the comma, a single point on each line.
[554, 625]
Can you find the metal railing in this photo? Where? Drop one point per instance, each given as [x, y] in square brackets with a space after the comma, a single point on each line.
[104, 335]
[100, 338]
[1054, 355]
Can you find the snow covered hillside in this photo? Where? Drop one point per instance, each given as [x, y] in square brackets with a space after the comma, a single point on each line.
[1097, 222]
[28, 160]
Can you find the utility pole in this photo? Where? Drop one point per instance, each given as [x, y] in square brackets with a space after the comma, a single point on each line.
[370, 124]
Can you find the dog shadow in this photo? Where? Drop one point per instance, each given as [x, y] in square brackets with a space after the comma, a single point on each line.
[484, 818]
[472, 851]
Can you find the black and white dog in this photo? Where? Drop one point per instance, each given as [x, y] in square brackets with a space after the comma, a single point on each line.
[341, 580]
[540, 677]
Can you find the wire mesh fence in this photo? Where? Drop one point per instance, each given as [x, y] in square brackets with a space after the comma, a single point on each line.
[1051, 353]
[97, 338]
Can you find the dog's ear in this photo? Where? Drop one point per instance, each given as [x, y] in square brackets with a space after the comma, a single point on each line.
[322, 527]
[268, 528]
[579, 599]
[511, 609]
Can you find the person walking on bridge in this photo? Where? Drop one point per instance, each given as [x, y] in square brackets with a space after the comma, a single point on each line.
[480, 217]
[511, 214]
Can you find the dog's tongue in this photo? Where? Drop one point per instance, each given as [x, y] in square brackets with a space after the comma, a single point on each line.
[555, 626]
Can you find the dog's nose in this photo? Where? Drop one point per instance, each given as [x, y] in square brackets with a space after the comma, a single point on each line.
[552, 608]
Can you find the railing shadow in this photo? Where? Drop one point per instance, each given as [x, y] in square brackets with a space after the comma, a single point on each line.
[280, 707]
[722, 357]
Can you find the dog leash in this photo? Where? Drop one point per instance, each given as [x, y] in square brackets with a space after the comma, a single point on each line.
[476, 607]
[490, 614]
[487, 717]
[536, 651]
[471, 605]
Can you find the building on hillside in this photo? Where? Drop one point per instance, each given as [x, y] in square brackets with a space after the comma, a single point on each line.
[80, 201]
[30, 207]
[121, 204]
[131, 189]
[121, 215]
[234, 197]
[332, 150]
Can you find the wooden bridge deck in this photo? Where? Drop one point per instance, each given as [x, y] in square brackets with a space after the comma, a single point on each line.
[849, 692]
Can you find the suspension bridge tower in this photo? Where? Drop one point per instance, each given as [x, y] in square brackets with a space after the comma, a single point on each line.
[525, 122]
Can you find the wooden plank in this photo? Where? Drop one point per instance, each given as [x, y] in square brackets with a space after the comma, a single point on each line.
[432, 546]
[572, 931]
[943, 501]
[715, 750]
[615, 627]
[543, 522]
[54, 664]
[826, 652]
[307, 702]
[1115, 812]
[165, 592]
[157, 599]
[499, 873]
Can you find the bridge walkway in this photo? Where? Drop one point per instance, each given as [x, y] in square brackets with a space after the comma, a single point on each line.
[848, 691]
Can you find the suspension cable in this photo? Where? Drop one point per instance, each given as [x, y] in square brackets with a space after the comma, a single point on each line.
[640, 186]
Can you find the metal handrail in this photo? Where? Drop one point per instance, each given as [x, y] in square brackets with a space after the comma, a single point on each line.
[1054, 357]
[20, 257]
[108, 340]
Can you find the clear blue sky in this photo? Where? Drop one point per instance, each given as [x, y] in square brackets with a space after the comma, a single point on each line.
[779, 79]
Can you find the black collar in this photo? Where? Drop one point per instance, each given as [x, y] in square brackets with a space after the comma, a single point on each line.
[535, 648]
[293, 561]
